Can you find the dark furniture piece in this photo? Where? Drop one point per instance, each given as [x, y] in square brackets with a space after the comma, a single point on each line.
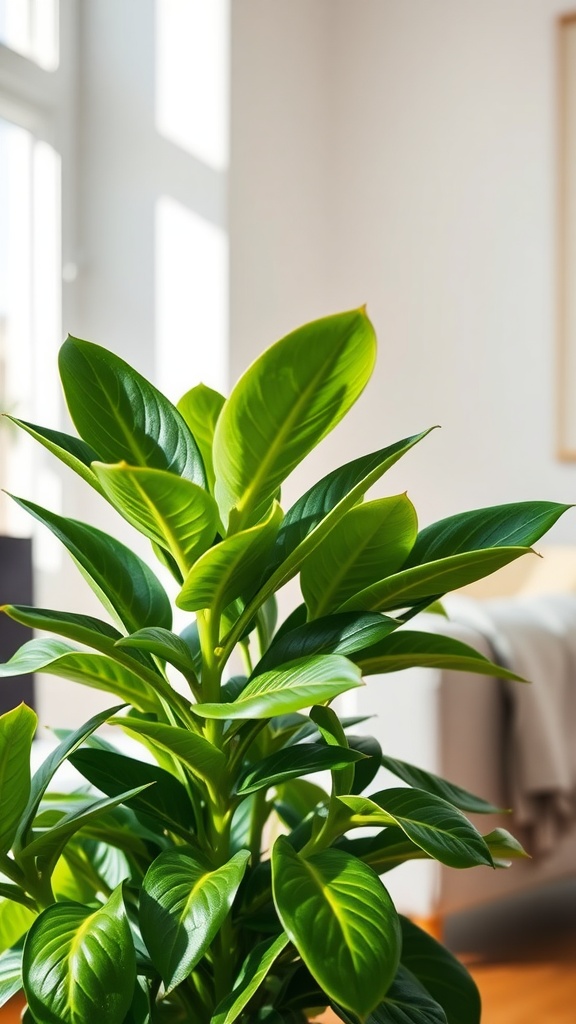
[15, 588]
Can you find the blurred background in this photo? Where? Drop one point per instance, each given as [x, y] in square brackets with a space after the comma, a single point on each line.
[185, 181]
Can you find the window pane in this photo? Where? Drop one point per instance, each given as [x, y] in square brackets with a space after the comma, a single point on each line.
[31, 28]
[29, 307]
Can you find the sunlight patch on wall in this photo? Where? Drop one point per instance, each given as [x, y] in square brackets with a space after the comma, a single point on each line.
[191, 300]
[192, 77]
[30, 27]
[29, 309]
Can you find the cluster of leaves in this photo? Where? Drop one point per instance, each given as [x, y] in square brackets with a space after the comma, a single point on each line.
[214, 881]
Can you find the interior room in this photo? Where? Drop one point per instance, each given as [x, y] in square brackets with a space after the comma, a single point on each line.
[185, 182]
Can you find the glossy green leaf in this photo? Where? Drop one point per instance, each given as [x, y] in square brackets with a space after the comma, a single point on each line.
[84, 629]
[123, 582]
[293, 763]
[431, 580]
[342, 921]
[17, 728]
[365, 771]
[332, 732]
[231, 568]
[72, 451]
[122, 416]
[165, 800]
[43, 776]
[384, 851]
[337, 492]
[442, 975]
[10, 974]
[370, 542]
[200, 407]
[335, 634]
[45, 846]
[409, 648]
[182, 908]
[430, 783]
[518, 525]
[504, 847]
[253, 971]
[281, 691]
[15, 920]
[284, 404]
[296, 799]
[175, 513]
[432, 823]
[59, 658]
[406, 1002]
[199, 755]
[79, 965]
[163, 644]
[314, 515]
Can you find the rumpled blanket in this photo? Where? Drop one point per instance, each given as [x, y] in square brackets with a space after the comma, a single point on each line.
[535, 636]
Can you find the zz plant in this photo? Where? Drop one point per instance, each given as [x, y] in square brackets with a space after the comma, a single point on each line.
[216, 879]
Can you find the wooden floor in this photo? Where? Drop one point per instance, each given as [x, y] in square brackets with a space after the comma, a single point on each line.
[522, 955]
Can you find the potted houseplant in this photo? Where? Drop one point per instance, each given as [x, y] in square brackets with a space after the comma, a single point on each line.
[216, 880]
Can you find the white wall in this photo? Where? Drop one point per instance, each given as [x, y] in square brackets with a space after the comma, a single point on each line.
[425, 144]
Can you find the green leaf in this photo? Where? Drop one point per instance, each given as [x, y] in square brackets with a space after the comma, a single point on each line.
[84, 628]
[43, 776]
[123, 582]
[10, 974]
[163, 644]
[79, 965]
[406, 1002]
[284, 404]
[122, 416]
[431, 783]
[518, 525]
[365, 771]
[332, 732]
[431, 580]
[72, 451]
[254, 969]
[15, 921]
[432, 823]
[281, 691]
[204, 760]
[342, 921]
[504, 847]
[87, 630]
[200, 409]
[409, 648]
[336, 493]
[384, 851]
[312, 518]
[335, 634]
[182, 908]
[231, 568]
[442, 975]
[165, 800]
[296, 799]
[46, 845]
[56, 657]
[17, 730]
[294, 762]
[171, 511]
[370, 542]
